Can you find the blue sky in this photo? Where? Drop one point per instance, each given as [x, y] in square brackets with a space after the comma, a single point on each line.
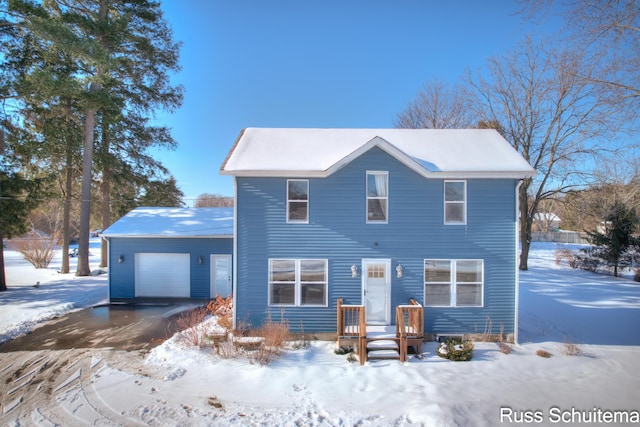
[303, 63]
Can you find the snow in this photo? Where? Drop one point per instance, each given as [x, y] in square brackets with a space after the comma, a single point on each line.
[177, 384]
[173, 222]
[318, 152]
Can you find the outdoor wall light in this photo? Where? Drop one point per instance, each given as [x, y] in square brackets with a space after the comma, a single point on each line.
[399, 271]
[354, 270]
[200, 260]
[120, 259]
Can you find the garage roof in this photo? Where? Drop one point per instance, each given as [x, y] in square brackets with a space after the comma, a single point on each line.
[173, 222]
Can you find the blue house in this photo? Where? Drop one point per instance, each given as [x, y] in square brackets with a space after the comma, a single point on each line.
[377, 218]
[170, 253]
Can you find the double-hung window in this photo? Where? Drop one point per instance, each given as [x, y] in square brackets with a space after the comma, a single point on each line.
[453, 283]
[377, 197]
[455, 202]
[298, 201]
[298, 282]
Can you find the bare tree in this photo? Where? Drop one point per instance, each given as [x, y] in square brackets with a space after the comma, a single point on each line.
[608, 30]
[555, 119]
[207, 200]
[436, 106]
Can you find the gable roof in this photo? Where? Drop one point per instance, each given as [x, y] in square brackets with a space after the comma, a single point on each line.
[173, 222]
[435, 153]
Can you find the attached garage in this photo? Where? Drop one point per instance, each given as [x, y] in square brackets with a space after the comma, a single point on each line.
[170, 253]
[162, 275]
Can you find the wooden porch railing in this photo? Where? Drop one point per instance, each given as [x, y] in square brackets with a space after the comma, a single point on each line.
[409, 326]
[351, 323]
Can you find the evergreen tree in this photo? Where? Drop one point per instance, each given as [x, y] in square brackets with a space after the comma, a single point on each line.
[122, 53]
[617, 240]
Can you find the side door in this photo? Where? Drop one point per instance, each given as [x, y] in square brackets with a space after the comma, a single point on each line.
[220, 275]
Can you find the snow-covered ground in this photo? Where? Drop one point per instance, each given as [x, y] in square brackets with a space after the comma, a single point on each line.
[175, 385]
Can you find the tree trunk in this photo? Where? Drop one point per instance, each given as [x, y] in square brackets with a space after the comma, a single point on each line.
[3, 279]
[85, 195]
[105, 192]
[66, 214]
[525, 226]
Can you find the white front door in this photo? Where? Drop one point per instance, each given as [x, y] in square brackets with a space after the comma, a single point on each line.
[220, 275]
[376, 287]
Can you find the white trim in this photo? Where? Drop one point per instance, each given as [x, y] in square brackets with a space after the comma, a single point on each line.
[387, 263]
[234, 260]
[297, 283]
[386, 198]
[212, 274]
[270, 173]
[298, 221]
[453, 288]
[445, 202]
[517, 265]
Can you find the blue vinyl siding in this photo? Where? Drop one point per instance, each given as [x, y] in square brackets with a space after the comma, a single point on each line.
[337, 231]
[122, 275]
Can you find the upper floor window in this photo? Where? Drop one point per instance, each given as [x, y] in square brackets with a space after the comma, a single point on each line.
[298, 200]
[455, 202]
[377, 196]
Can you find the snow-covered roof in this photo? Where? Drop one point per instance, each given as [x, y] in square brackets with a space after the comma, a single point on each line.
[173, 222]
[435, 153]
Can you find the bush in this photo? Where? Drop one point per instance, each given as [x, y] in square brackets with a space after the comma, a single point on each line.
[37, 250]
[456, 349]
[223, 308]
[189, 324]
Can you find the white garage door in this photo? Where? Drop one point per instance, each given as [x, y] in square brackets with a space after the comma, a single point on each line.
[163, 275]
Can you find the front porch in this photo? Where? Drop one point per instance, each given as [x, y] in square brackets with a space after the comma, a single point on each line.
[384, 341]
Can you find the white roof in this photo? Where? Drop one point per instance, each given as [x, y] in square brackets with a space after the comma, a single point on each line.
[173, 222]
[435, 153]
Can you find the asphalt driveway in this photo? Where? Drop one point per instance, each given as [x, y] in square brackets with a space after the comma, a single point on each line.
[121, 327]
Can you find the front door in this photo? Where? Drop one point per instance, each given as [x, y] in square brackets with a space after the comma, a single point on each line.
[376, 286]
[220, 275]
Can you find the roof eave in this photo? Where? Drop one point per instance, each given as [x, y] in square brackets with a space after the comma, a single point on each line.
[170, 236]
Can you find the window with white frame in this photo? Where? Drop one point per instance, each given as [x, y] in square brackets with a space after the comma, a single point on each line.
[298, 200]
[453, 283]
[377, 197]
[455, 202]
[298, 282]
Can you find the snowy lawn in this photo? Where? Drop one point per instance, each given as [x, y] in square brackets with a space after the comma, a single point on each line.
[182, 385]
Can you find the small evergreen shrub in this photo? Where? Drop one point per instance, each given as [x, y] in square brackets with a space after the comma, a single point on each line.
[343, 350]
[456, 349]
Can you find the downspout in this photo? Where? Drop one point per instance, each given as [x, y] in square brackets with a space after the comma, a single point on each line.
[108, 239]
[517, 276]
[234, 283]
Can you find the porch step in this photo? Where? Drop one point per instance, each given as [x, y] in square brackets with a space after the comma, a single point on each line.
[382, 348]
[383, 354]
[382, 344]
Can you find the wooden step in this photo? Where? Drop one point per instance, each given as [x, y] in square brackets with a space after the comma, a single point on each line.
[382, 344]
[383, 354]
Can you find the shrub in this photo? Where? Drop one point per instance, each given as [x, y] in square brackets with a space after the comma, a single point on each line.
[223, 308]
[189, 324]
[37, 250]
[543, 353]
[563, 255]
[571, 349]
[456, 349]
[343, 350]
